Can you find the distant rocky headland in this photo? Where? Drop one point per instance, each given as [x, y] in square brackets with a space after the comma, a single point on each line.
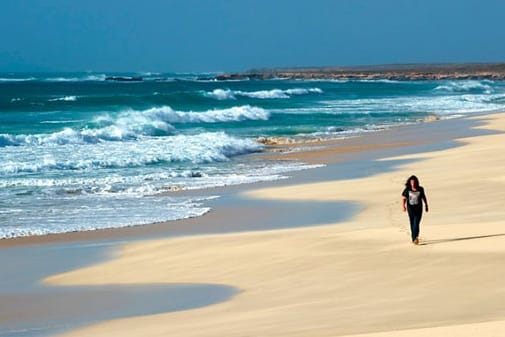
[490, 71]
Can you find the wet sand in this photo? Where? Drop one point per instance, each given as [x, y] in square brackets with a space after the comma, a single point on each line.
[341, 271]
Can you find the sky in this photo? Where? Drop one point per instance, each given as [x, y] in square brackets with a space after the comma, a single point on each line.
[237, 35]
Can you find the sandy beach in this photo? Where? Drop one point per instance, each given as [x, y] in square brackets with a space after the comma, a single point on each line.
[245, 169]
[330, 275]
[360, 277]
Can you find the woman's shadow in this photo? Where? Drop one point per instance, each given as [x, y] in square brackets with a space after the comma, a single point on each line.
[432, 242]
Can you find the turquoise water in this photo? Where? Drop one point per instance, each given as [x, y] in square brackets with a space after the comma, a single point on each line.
[81, 152]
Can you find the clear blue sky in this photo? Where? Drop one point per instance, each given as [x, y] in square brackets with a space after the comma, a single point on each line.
[235, 35]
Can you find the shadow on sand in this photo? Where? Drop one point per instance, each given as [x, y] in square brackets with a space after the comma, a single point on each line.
[432, 242]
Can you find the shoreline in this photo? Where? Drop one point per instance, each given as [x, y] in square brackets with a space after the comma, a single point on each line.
[183, 242]
[321, 152]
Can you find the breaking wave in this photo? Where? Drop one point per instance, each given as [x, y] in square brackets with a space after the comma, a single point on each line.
[16, 79]
[226, 94]
[466, 86]
[64, 99]
[169, 115]
[90, 77]
[202, 148]
[131, 125]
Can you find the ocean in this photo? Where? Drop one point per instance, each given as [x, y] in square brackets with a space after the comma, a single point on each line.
[85, 151]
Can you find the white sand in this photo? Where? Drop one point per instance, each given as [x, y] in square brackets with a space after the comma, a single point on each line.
[360, 277]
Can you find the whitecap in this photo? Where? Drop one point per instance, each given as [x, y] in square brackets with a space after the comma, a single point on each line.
[65, 99]
[88, 77]
[16, 79]
[162, 117]
[465, 86]
[221, 94]
[227, 94]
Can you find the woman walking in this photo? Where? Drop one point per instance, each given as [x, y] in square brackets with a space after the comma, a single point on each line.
[413, 197]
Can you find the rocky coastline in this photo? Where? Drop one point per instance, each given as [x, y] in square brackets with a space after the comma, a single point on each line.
[489, 71]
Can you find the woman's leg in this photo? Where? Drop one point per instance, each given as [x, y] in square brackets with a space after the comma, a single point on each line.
[416, 225]
[415, 220]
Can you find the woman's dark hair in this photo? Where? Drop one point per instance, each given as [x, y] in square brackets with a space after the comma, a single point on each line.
[416, 181]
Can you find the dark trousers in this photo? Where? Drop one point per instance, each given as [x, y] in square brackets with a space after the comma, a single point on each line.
[415, 216]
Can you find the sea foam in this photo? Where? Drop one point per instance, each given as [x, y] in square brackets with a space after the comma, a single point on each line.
[444, 106]
[201, 148]
[80, 214]
[226, 94]
[167, 114]
[16, 79]
[466, 86]
[130, 124]
[65, 99]
[89, 77]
